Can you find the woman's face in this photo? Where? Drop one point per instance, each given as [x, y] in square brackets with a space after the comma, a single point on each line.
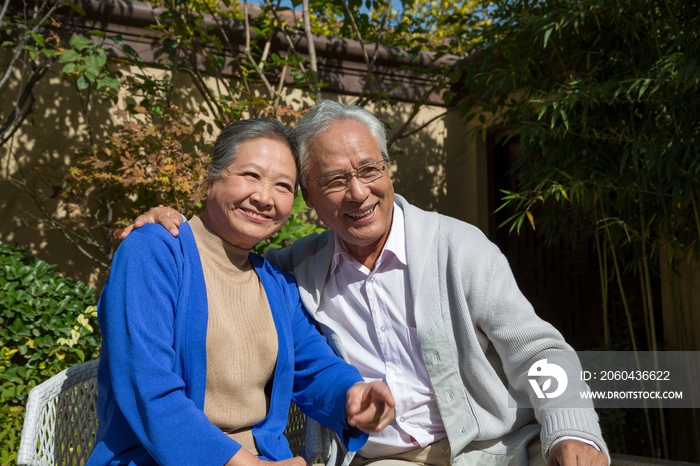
[253, 197]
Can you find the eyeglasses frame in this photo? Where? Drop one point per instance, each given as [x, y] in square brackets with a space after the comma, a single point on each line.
[352, 173]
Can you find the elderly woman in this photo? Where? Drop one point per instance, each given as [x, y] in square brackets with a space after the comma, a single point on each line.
[205, 344]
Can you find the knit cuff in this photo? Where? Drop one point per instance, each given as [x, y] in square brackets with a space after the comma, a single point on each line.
[574, 422]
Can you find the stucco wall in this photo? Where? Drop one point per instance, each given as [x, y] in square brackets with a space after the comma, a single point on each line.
[46, 142]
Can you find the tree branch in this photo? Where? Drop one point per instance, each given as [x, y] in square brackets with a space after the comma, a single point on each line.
[17, 116]
[249, 55]
[60, 227]
[399, 134]
[291, 46]
[369, 77]
[196, 77]
[4, 10]
[306, 14]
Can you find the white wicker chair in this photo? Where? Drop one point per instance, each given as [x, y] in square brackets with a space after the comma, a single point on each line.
[60, 422]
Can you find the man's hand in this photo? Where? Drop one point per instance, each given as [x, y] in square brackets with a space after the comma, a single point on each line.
[369, 406]
[575, 453]
[245, 458]
[168, 217]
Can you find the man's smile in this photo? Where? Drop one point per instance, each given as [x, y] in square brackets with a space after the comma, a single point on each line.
[362, 214]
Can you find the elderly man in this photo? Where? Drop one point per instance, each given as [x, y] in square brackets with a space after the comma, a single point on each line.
[425, 303]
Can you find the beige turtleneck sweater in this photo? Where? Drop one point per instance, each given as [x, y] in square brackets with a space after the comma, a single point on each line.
[241, 338]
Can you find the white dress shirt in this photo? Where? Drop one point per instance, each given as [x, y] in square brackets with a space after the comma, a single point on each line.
[375, 307]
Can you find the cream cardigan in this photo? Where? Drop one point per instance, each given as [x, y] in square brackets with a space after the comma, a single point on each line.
[477, 332]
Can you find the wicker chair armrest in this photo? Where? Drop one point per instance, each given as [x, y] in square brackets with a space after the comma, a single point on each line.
[60, 419]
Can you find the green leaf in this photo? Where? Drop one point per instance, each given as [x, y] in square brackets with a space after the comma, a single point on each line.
[169, 14]
[98, 33]
[81, 354]
[276, 60]
[69, 68]
[127, 49]
[547, 33]
[82, 83]
[89, 74]
[297, 75]
[77, 8]
[644, 87]
[564, 118]
[455, 75]
[170, 45]
[80, 43]
[38, 38]
[109, 81]
[95, 63]
[69, 56]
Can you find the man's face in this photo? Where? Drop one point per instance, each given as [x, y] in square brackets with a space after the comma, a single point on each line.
[360, 214]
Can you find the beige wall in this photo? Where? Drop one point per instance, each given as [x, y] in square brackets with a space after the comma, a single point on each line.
[441, 168]
[430, 168]
[467, 173]
[46, 140]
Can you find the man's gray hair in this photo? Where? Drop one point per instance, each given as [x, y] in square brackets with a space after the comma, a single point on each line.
[322, 116]
[230, 139]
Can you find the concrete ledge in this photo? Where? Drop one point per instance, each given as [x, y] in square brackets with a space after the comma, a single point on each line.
[629, 460]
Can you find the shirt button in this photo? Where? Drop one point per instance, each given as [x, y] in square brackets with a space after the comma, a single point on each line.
[392, 376]
[383, 329]
[402, 419]
[371, 279]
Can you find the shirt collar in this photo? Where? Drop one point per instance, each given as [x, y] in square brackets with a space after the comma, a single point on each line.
[395, 244]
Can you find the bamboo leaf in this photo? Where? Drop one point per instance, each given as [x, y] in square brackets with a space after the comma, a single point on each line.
[563, 193]
[564, 118]
[547, 33]
[644, 87]
[530, 218]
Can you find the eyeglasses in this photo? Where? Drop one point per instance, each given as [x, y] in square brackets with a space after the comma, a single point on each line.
[340, 181]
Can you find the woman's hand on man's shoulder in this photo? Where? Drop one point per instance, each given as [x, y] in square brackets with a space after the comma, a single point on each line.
[167, 217]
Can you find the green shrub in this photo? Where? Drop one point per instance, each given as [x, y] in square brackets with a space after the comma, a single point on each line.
[47, 323]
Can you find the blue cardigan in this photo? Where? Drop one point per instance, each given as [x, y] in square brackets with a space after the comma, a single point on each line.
[152, 373]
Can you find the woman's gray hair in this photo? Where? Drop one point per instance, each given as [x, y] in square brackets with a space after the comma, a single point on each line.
[322, 116]
[230, 139]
